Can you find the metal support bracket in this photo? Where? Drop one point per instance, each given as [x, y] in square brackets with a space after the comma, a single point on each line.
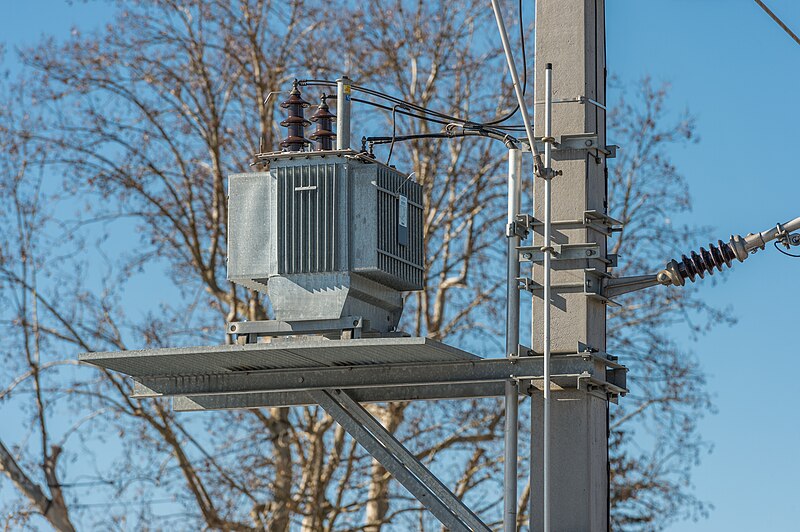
[250, 331]
[591, 287]
[398, 461]
[594, 220]
[617, 286]
[575, 142]
[562, 252]
[520, 227]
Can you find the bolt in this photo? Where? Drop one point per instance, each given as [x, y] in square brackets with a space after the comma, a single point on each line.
[588, 142]
[233, 328]
[589, 252]
[355, 322]
[527, 256]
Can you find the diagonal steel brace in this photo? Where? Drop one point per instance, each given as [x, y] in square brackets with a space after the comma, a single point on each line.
[398, 461]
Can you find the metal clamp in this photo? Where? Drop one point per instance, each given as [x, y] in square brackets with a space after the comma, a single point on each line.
[591, 287]
[594, 220]
[562, 252]
[580, 141]
[520, 227]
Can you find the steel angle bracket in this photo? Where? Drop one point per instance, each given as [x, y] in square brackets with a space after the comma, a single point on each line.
[591, 287]
[607, 378]
[562, 252]
[594, 220]
[520, 227]
[251, 330]
[398, 461]
[574, 142]
[604, 388]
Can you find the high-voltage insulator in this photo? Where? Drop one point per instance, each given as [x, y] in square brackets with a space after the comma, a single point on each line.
[295, 122]
[323, 135]
[739, 248]
[700, 263]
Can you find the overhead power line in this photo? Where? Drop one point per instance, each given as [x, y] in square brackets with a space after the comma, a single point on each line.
[778, 21]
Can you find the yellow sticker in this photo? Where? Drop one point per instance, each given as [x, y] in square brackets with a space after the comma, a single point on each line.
[347, 89]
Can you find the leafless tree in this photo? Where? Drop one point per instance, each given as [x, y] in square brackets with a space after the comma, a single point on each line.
[650, 483]
[118, 181]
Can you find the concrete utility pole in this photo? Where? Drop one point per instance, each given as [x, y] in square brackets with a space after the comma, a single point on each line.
[570, 34]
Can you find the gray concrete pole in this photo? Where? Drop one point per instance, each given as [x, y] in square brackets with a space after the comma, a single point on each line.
[570, 34]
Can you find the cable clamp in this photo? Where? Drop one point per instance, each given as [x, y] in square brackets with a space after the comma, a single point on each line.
[520, 227]
[549, 173]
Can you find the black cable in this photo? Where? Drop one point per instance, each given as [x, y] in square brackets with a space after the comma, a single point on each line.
[394, 134]
[506, 139]
[401, 111]
[442, 118]
[785, 252]
[524, 74]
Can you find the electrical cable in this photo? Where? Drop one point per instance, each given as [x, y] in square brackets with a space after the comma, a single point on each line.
[394, 133]
[401, 111]
[524, 74]
[442, 116]
[785, 252]
[778, 21]
[498, 132]
[505, 138]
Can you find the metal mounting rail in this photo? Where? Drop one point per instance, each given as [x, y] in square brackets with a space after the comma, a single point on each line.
[471, 377]
[398, 461]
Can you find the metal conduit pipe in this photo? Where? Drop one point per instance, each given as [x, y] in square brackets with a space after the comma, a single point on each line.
[512, 342]
[343, 89]
[539, 168]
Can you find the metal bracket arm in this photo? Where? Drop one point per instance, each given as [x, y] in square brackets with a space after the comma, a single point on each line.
[617, 286]
[398, 461]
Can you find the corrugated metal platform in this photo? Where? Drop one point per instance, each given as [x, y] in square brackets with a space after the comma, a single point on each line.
[281, 354]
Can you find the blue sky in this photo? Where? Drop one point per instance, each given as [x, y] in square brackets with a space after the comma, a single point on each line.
[737, 72]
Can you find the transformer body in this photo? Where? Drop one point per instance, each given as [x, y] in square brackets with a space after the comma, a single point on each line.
[327, 235]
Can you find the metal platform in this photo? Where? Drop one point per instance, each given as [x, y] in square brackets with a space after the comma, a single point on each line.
[282, 373]
[288, 353]
[340, 374]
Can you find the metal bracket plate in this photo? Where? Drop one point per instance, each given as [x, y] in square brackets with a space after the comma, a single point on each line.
[252, 330]
[592, 286]
[594, 220]
[562, 252]
[574, 142]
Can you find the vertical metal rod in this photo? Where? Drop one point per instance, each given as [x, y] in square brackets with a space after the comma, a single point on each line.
[343, 113]
[512, 341]
[547, 248]
[512, 68]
